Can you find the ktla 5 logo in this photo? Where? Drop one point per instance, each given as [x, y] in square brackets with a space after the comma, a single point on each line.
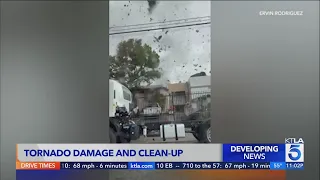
[294, 152]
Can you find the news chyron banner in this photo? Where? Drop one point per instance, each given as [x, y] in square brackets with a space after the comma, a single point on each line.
[66, 157]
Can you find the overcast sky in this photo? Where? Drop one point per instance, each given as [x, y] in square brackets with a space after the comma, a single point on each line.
[189, 51]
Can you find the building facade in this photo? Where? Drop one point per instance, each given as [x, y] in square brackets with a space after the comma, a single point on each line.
[177, 97]
[144, 96]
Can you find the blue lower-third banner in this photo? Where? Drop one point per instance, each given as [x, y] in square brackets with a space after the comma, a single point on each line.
[254, 152]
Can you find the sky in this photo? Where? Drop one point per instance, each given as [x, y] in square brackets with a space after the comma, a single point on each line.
[187, 50]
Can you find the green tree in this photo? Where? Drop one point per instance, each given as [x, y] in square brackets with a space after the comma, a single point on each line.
[134, 63]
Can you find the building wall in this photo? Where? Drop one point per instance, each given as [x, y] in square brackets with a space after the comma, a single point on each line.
[199, 81]
[198, 86]
[164, 92]
[139, 99]
[177, 87]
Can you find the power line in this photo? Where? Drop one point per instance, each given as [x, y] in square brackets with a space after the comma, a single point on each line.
[161, 22]
[159, 28]
[164, 27]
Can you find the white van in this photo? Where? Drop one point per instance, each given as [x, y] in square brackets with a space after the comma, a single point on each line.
[119, 95]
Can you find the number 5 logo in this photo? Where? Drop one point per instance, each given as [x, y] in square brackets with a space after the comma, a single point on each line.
[294, 152]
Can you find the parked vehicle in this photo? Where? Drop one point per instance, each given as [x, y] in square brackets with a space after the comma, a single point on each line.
[153, 109]
[199, 119]
[201, 130]
[122, 128]
[200, 122]
[198, 108]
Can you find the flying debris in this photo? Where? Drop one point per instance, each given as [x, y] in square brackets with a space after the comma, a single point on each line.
[200, 74]
[152, 4]
[157, 39]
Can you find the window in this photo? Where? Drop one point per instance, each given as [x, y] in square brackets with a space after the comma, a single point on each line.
[114, 94]
[126, 95]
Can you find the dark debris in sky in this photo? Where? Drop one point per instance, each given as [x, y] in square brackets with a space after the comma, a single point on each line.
[159, 38]
[152, 4]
